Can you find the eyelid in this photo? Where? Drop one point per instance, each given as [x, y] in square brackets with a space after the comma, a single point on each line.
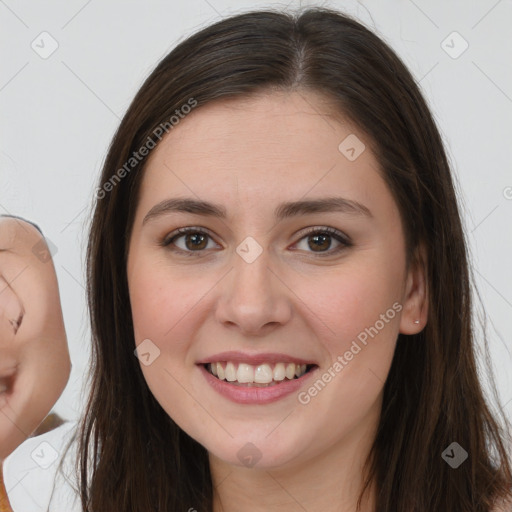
[325, 229]
[188, 229]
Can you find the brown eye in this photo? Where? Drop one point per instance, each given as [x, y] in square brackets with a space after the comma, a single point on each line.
[320, 241]
[195, 241]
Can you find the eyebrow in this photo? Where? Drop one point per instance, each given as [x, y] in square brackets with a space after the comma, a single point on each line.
[283, 211]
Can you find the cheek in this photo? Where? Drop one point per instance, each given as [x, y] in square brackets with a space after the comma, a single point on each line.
[160, 298]
[353, 298]
[356, 312]
[164, 310]
[167, 306]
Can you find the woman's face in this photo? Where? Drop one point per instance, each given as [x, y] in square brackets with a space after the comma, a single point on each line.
[34, 357]
[258, 289]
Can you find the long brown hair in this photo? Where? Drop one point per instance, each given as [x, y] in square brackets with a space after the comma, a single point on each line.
[133, 457]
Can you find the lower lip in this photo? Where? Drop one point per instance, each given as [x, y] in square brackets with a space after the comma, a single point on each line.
[255, 395]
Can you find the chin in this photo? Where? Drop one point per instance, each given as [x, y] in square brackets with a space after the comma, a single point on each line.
[258, 452]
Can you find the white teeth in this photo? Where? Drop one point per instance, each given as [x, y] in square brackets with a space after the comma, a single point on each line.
[263, 374]
[290, 371]
[230, 372]
[244, 373]
[279, 372]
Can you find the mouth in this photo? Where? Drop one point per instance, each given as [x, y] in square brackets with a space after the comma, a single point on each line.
[261, 375]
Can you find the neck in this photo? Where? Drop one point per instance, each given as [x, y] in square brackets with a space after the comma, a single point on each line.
[327, 482]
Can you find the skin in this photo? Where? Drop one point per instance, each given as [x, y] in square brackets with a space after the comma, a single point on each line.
[249, 156]
[34, 357]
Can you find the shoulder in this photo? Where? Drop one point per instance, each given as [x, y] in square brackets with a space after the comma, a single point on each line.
[32, 476]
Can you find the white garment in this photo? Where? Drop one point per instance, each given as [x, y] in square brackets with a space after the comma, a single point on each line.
[33, 479]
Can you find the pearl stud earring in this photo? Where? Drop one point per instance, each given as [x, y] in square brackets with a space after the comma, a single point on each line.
[416, 321]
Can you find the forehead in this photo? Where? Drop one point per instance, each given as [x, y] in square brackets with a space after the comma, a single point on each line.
[269, 128]
[278, 146]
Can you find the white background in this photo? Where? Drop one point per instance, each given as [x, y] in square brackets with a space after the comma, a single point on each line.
[59, 114]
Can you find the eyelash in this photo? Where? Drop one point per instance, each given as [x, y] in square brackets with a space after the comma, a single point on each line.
[334, 233]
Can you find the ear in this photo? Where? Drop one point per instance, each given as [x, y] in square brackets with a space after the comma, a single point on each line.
[415, 297]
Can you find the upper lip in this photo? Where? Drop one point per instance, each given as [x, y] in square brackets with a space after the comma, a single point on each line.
[254, 359]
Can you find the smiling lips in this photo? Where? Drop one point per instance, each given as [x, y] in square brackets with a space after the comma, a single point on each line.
[256, 375]
[256, 379]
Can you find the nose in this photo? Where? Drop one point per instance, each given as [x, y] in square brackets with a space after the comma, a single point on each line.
[253, 298]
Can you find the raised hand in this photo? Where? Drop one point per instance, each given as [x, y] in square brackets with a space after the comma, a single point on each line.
[34, 357]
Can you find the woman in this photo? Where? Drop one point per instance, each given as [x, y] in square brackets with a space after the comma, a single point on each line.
[279, 289]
